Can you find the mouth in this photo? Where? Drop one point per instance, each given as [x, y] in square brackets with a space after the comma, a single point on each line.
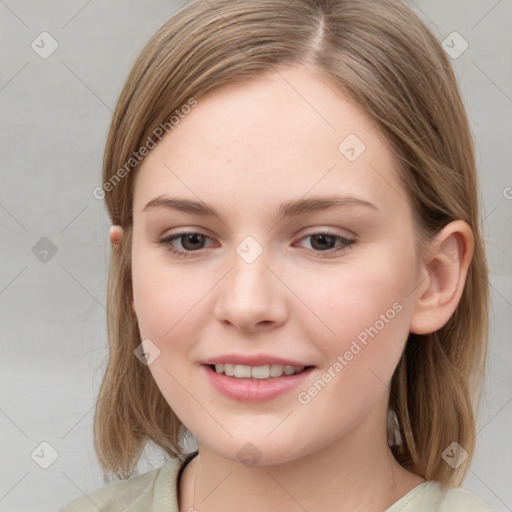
[262, 372]
[244, 383]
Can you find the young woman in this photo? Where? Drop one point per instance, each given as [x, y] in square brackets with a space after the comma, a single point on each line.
[297, 278]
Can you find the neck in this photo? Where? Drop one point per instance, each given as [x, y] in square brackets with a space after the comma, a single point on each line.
[357, 472]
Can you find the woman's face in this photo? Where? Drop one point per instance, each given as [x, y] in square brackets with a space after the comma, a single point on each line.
[274, 282]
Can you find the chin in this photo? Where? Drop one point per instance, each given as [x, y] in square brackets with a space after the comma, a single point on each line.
[259, 451]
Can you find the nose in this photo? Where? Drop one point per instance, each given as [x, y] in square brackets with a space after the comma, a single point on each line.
[251, 296]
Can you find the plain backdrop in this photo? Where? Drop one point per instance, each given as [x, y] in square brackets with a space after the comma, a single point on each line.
[55, 111]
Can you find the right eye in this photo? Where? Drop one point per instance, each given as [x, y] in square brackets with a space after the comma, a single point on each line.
[190, 242]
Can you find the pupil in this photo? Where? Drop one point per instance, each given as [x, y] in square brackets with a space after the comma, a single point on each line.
[325, 238]
[191, 238]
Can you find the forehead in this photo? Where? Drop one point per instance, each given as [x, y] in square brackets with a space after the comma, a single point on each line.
[278, 136]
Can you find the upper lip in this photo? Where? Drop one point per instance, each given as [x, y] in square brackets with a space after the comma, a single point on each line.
[254, 360]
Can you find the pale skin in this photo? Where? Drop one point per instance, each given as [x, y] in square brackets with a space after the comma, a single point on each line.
[244, 150]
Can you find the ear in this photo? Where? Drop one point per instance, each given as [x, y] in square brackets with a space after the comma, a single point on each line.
[116, 236]
[445, 270]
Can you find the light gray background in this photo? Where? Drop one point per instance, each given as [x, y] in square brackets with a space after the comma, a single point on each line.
[55, 113]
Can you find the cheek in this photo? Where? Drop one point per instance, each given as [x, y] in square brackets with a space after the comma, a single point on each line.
[371, 327]
[167, 308]
[365, 318]
[166, 298]
[348, 302]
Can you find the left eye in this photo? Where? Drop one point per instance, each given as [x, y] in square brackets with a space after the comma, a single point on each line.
[193, 241]
[323, 242]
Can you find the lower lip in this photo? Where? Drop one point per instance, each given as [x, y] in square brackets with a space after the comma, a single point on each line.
[254, 390]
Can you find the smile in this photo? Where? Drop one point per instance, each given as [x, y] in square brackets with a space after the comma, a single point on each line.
[245, 383]
[265, 371]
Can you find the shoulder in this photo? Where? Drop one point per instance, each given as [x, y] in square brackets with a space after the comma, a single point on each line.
[455, 499]
[432, 496]
[150, 490]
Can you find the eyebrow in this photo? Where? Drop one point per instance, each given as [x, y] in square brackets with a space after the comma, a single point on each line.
[290, 208]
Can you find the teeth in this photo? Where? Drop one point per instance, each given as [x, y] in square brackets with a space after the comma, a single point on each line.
[260, 372]
[256, 372]
[242, 372]
[289, 370]
[276, 370]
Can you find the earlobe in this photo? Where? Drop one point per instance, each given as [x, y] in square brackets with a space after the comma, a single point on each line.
[447, 266]
[116, 234]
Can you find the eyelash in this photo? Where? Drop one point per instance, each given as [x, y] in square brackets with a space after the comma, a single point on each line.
[167, 243]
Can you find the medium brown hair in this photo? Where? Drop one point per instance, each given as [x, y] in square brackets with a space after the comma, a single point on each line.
[381, 55]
